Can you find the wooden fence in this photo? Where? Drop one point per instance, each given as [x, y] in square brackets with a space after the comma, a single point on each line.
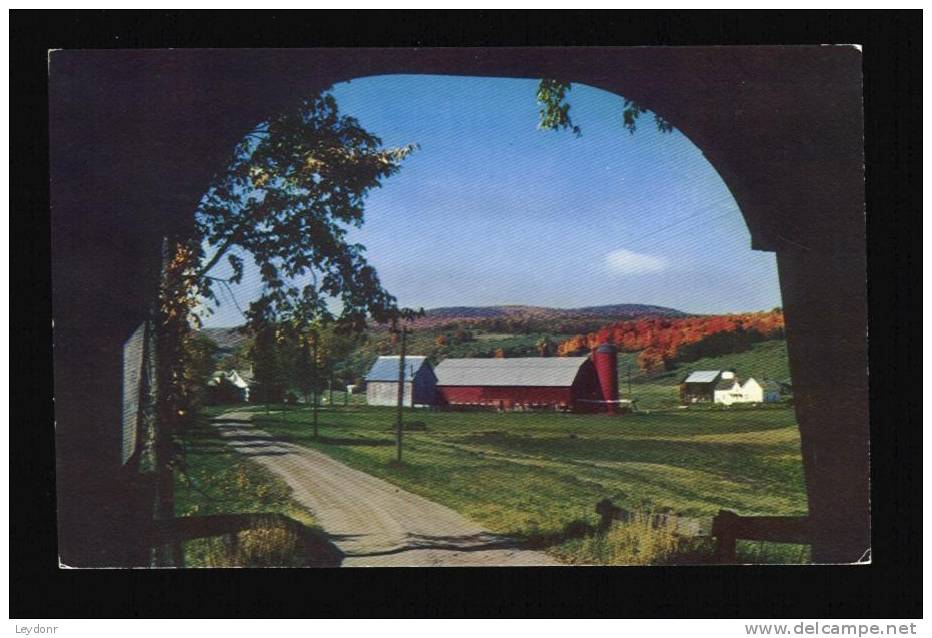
[726, 527]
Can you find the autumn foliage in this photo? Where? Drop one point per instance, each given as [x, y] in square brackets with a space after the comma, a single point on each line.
[663, 342]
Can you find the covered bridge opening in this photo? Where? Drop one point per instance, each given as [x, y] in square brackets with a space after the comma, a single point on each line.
[781, 125]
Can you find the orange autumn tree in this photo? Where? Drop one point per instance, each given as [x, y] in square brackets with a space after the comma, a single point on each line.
[664, 341]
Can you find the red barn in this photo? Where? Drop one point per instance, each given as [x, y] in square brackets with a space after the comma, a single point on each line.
[520, 383]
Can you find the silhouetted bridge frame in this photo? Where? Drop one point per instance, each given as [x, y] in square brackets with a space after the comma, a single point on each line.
[799, 187]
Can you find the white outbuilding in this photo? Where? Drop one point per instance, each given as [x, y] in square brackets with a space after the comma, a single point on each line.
[239, 383]
[729, 391]
[760, 392]
[420, 382]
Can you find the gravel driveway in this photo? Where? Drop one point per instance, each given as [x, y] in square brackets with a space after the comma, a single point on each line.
[373, 522]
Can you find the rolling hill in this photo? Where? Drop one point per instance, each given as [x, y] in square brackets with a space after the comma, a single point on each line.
[498, 317]
[228, 340]
[763, 360]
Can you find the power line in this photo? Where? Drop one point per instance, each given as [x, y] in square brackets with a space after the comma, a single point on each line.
[252, 278]
[677, 234]
[676, 223]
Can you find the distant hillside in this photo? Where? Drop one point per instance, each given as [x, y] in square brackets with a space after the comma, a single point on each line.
[659, 390]
[229, 340]
[614, 310]
[664, 342]
[627, 310]
[510, 318]
[764, 360]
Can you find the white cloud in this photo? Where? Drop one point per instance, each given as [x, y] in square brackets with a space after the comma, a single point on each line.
[628, 262]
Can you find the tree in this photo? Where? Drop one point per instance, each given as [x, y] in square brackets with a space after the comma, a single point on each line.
[198, 354]
[673, 341]
[650, 360]
[308, 355]
[294, 187]
[267, 366]
[545, 347]
[287, 199]
[555, 110]
[239, 359]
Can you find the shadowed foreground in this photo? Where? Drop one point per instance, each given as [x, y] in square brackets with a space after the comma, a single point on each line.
[373, 522]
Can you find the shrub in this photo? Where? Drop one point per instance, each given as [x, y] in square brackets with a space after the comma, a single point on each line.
[634, 542]
[251, 548]
[264, 547]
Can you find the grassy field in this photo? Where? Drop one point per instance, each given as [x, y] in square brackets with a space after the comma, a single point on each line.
[765, 360]
[538, 476]
[216, 480]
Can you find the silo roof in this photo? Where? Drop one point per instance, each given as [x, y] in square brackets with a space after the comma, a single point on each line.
[386, 368]
[522, 372]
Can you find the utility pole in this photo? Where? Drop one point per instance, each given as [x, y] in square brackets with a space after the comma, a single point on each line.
[314, 366]
[401, 392]
[629, 381]
[330, 402]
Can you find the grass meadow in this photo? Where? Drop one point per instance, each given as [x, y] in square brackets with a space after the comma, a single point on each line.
[764, 360]
[214, 479]
[538, 476]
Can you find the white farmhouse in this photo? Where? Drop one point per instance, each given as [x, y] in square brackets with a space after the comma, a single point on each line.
[238, 382]
[760, 392]
[729, 391]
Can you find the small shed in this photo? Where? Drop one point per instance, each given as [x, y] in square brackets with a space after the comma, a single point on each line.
[700, 385]
[419, 379]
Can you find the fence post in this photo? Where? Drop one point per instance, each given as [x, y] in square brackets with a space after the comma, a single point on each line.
[725, 532]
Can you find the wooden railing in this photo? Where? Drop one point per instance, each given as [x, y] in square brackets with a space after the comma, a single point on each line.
[726, 527]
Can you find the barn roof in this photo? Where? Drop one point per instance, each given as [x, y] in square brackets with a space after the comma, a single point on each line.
[703, 376]
[524, 371]
[386, 368]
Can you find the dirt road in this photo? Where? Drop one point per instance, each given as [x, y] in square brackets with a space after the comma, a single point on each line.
[373, 522]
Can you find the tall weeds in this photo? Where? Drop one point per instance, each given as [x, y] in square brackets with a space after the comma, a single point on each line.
[637, 541]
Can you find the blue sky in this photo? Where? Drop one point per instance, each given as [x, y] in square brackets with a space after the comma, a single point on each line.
[491, 210]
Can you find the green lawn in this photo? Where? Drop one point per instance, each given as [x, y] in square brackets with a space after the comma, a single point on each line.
[213, 479]
[538, 476]
[533, 475]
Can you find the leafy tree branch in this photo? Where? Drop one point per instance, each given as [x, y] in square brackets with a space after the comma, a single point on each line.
[294, 187]
[555, 110]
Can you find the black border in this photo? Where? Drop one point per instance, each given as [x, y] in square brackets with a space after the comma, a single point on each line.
[890, 587]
